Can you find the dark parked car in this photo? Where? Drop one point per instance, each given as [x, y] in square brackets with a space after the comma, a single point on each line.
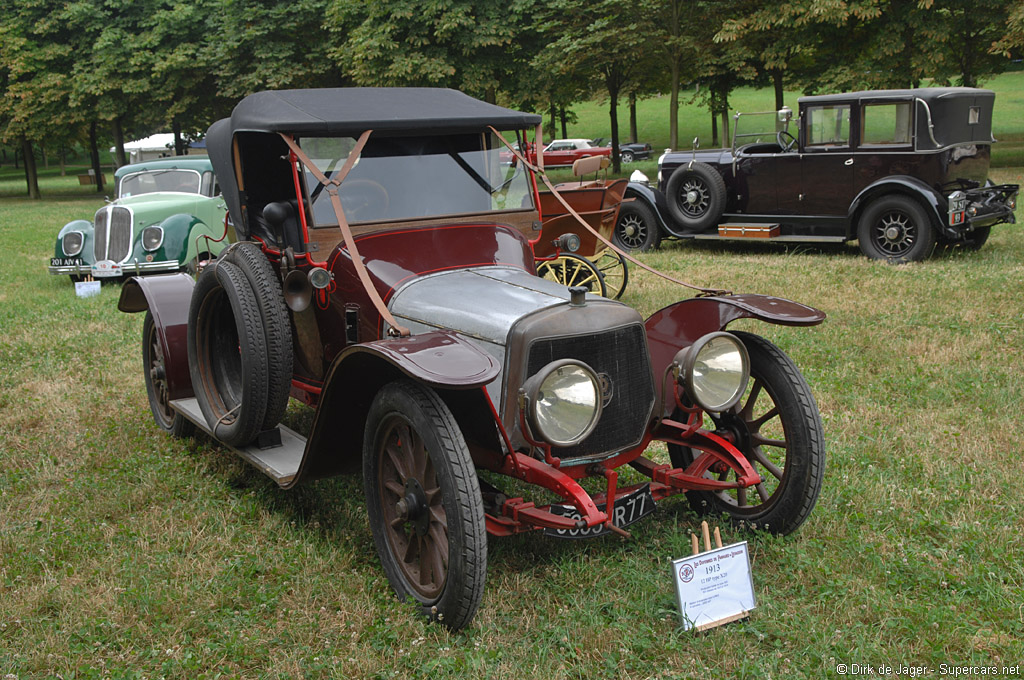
[384, 275]
[898, 170]
[628, 151]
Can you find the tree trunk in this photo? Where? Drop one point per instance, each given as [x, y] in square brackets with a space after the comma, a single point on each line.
[94, 153]
[563, 119]
[119, 154]
[714, 127]
[613, 116]
[632, 117]
[178, 144]
[780, 98]
[63, 161]
[46, 157]
[552, 130]
[673, 108]
[31, 178]
[491, 95]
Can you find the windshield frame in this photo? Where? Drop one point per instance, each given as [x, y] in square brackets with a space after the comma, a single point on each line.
[439, 158]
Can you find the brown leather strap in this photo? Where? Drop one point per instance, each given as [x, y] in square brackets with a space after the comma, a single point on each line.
[346, 231]
[539, 170]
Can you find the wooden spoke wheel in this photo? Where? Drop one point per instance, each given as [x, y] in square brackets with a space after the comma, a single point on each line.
[572, 270]
[777, 426]
[614, 271]
[424, 503]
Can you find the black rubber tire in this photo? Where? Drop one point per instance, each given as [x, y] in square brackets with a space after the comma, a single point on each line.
[696, 196]
[977, 238]
[626, 155]
[571, 270]
[896, 229]
[278, 328]
[773, 375]
[155, 375]
[636, 227]
[414, 453]
[227, 349]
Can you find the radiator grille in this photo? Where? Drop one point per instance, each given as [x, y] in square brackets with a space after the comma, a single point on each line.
[621, 354]
[113, 234]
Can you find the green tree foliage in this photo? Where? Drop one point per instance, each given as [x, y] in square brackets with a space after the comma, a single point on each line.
[597, 42]
[463, 44]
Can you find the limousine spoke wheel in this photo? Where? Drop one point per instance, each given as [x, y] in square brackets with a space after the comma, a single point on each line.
[896, 229]
[696, 196]
[572, 270]
[154, 369]
[424, 503]
[636, 227]
[777, 426]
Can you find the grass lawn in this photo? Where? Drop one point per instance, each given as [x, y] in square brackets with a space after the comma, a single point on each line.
[127, 554]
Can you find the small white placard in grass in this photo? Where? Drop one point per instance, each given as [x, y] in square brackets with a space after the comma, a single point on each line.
[87, 288]
[714, 587]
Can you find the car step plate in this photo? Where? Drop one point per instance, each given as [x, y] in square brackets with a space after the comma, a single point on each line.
[628, 509]
[280, 463]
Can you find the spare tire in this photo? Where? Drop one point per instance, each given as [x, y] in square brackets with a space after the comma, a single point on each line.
[696, 196]
[227, 352]
[267, 288]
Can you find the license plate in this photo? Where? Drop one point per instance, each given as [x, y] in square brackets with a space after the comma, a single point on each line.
[628, 509]
[957, 211]
[65, 262]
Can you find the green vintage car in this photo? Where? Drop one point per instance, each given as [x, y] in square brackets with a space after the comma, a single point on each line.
[168, 216]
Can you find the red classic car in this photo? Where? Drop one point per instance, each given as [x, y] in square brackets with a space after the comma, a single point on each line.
[567, 151]
[383, 272]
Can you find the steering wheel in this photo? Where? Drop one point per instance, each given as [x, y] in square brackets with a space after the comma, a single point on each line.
[785, 140]
[364, 200]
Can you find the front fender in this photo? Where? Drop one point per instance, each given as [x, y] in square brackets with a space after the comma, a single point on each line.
[441, 359]
[167, 297]
[680, 325]
[934, 201]
[84, 226]
[654, 199]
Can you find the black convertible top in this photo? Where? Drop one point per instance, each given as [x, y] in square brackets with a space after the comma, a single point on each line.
[345, 111]
[351, 110]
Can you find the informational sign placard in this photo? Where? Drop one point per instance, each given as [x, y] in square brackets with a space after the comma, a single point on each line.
[714, 587]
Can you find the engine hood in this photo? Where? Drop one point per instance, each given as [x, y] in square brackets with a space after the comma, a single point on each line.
[481, 303]
[152, 208]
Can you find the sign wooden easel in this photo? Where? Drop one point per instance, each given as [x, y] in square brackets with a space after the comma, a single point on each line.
[713, 587]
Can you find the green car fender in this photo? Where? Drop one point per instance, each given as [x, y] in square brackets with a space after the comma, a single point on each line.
[186, 237]
[86, 229]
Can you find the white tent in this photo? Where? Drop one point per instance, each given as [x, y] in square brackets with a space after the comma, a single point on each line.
[154, 146]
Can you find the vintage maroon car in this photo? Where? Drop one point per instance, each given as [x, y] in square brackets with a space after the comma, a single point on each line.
[898, 170]
[384, 274]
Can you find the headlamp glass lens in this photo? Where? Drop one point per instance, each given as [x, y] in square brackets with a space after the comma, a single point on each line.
[567, 404]
[719, 373]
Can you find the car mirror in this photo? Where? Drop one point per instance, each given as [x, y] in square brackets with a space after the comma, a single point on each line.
[785, 114]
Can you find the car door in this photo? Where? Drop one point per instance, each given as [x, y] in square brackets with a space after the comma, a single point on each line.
[826, 162]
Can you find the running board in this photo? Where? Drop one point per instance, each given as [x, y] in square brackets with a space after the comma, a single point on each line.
[280, 463]
[788, 238]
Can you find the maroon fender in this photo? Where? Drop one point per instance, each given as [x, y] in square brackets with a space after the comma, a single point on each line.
[680, 325]
[167, 298]
[441, 359]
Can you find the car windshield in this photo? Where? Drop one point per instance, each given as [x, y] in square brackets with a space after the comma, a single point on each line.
[757, 128]
[150, 181]
[398, 178]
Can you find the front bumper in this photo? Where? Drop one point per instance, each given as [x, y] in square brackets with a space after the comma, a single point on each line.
[106, 269]
[983, 207]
